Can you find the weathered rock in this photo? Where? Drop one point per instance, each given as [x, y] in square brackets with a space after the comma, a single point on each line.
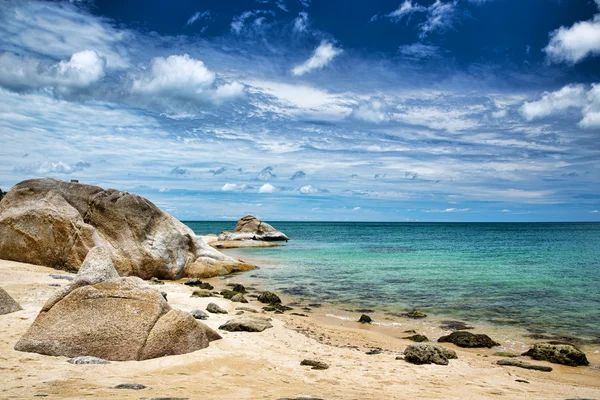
[54, 223]
[418, 338]
[118, 319]
[164, 295]
[505, 354]
[523, 364]
[252, 228]
[375, 351]
[558, 353]
[422, 353]
[246, 324]
[228, 294]
[455, 326]
[130, 386]
[237, 287]
[468, 339]
[199, 314]
[87, 360]
[201, 293]
[242, 244]
[277, 308]
[8, 304]
[156, 281]
[269, 298]
[199, 284]
[239, 298]
[314, 364]
[252, 310]
[365, 319]
[414, 314]
[215, 309]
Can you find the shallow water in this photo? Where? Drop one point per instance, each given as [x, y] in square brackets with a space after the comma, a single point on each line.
[542, 277]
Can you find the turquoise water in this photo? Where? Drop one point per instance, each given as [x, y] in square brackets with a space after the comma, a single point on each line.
[543, 277]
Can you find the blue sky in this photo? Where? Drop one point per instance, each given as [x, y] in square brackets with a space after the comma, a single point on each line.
[422, 110]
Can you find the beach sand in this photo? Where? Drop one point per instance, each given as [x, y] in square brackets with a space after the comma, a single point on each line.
[266, 365]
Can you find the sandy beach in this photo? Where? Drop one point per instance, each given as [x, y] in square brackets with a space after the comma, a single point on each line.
[266, 365]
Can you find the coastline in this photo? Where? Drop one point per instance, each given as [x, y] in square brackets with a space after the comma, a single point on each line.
[266, 365]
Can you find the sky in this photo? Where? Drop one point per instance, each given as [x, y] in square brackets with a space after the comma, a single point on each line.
[404, 110]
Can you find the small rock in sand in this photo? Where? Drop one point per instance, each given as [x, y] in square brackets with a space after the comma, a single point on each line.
[199, 284]
[246, 324]
[269, 298]
[236, 287]
[558, 353]
[199, 314]
[131, 386]
[423, 353]
[375, 351]
[314, 364]
[418, 338]
[252, 310]
[239, 298]
[87, 360]
[365, 319]
[8, 304]
[54, 284]
[468, 339]
[215, 309]
[155, 281]
[65, 277]
[201, 293]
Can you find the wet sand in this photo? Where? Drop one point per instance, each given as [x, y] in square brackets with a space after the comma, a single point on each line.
[266, 365]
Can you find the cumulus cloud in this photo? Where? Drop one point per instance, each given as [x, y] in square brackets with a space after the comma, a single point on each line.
[234, 187]
[26, 73]
[301, 22]
[573, 44]
[569, 97]
[320, 58]
[58, 167]
[185, 78]
[310, 189]
[266, 188]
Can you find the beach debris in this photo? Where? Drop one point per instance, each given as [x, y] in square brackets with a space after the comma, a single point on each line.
[468, 339]
[87, 360]
[155, 281]
[201, 293]
[299, 314]
[455, 326]
[246, 324]
[252, 310]
[130, 386]
[374, 351]
[199, 314]
[65, 277]
[269, 298]
[314, 364]
[215, 309]
[365, 319]
[198, 283]
[521, 380]
[523, 364]
[424, 353]
[239, 298]
[237, 287]
[417, 338]
[414, 314]
[558, 353]
[252, 228]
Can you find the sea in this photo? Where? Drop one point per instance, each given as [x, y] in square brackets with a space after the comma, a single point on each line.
[542, 277]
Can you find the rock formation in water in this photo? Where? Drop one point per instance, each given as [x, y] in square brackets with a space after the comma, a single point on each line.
[54, 223]
[112, 318]
[252, 228]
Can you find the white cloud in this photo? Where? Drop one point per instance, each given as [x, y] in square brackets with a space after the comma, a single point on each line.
[371, 111]
[418, 51]
[23, 73]
[233, 187]
[356, 209]
[301, 22]
[570, 96]
[448, 210]
[310, 189]
[594, 211]
[266, 188]
[44, 168]
[505, 211]
[196, 16]
[405, 9]
[440, 17]
[183, 77]
[239, 21]
[320, 58]
[571, 45]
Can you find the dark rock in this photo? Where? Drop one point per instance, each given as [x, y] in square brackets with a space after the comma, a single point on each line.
[365, 319]
[558, 353]
[523, 364]
[199, 284]
[299, 315]
[87, 360]
[414, 314]
[239, 298]
[311, 398]
[375, 351]
[315, 305]
[215, 309]
[236, 287]
[199, 314]
[505, 354]
[132, 386]
[410, 331]
[417, 338]
[277, 308]
[228, 294]
[468, 339]
[8, 304]
[65, 277]
[314, 364]
[521, 380]
[201, 293]
[455, 326]
[155, 281]
[423, 353]
[164, 294]
[54, 284]
[246, 324]
[269, 298]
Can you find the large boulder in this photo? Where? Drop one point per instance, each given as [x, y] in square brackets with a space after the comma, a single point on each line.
[252, 228]
[468, 339]
[558, 353]
[8, 304]
[54, 223]
[118, 319]
[422, 353]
